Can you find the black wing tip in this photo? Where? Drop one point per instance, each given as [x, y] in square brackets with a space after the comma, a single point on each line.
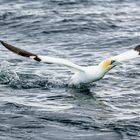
[6, 45]
[137, 48]
[2, 42]
[19, 51]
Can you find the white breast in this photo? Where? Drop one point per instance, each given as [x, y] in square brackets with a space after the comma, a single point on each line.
[91, 74]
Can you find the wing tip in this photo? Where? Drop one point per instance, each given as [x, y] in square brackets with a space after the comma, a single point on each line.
[6, 45]
[20, 51]
[137, 48]
[2, 42]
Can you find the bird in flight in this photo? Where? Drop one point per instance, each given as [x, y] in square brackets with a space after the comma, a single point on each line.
[81, 74]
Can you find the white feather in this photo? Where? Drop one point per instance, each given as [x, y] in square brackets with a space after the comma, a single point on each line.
[61, 61]
[126, 55]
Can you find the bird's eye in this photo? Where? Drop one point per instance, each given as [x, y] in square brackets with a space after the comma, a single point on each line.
[112, 61]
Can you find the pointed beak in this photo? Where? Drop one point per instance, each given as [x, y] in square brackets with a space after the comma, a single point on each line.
[115, 63]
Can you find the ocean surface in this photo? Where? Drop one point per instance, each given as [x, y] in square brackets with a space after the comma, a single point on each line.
[36, 102]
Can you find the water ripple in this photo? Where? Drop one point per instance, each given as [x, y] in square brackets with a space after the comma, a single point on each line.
[35, 100]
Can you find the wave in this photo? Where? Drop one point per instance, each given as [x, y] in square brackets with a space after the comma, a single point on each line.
[18, 80]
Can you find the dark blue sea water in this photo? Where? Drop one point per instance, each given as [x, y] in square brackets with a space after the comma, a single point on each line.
[35, 101]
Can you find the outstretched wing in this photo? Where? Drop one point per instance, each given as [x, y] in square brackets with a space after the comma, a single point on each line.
[46, 59]
[128, 54]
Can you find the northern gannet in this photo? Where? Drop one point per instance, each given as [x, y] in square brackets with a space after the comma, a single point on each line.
[82, 75]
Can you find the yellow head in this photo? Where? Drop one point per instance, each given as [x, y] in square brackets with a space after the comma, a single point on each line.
[107, 64]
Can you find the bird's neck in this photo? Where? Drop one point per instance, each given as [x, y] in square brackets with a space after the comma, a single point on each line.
[104, 69]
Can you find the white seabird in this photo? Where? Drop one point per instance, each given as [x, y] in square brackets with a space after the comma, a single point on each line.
[82, 75]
